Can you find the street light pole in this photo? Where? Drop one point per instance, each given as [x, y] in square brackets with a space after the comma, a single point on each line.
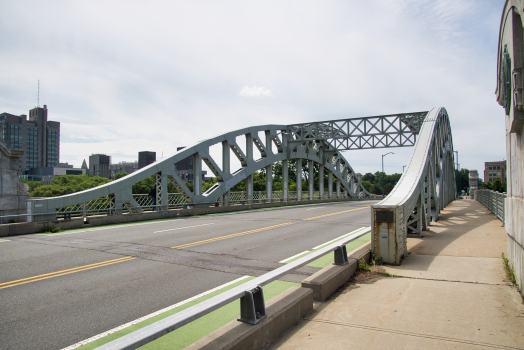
[457, 168]
[403, 167]
[383, 174]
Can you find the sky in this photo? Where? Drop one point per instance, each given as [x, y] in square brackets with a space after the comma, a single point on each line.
[129, 76]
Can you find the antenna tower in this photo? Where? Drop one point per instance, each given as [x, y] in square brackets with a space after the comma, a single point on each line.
[38, 95]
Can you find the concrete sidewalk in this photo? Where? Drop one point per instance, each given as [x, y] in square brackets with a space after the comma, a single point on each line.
[453, 294]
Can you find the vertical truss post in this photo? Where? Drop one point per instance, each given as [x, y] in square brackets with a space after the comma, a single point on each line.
[330, 184]
[269, 168]
[285, 180]
[345, 177]
[249, 178]
[321, 173]
[112, 204]
[269, 183]
[299, 179]
[159, 192]
[311, 179]
[226, 168]
[118, 203]
[197, 175]
[285, 169]
[337, 166]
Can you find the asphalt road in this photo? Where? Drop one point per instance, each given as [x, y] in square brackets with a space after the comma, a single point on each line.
[56, 290]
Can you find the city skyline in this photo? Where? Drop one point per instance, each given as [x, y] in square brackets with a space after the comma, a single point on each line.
[165, 75]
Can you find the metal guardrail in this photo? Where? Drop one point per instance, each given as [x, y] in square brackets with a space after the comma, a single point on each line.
[252, 306]
[494, 201]
[104, 205]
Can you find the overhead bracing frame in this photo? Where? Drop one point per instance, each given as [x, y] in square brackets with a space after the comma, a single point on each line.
[319, 144]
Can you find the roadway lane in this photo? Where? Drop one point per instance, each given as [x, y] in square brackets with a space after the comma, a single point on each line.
[92, 281]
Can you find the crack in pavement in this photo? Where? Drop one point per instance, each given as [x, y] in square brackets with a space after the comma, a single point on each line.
[206, 261]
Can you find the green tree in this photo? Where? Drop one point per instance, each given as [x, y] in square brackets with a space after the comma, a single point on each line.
[119, 175]
[66, 184]
[32, 184]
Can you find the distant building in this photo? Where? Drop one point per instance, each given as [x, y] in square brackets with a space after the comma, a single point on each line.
[123, 167]
[184, 168]
[65, 165]
[99, 165]
[145, 158]
[46, 174]
[84, 165]
[473, 180]
[38, 137]
[493, 170]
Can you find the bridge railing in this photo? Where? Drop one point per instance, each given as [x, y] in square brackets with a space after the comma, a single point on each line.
[494, 201]
[252, 306]
[104, 205]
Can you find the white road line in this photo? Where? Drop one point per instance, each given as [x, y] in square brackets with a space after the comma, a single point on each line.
[336, 239]
[4, 240]
[180, 228]
[138, 320]
[294, 256]
[314, 208]
[107, 228]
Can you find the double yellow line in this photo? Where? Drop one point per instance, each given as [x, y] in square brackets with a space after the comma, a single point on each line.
[340, 212]
[63, 272]
[231, 236]
[128, 258]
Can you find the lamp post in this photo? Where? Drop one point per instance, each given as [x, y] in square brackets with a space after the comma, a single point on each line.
[403, 167]
[457, 168]
[383, 175]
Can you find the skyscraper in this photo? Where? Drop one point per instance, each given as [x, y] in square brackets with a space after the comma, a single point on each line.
[38, 137]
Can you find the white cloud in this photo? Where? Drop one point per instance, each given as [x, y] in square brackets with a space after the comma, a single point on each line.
[132, 77]
[255, 91]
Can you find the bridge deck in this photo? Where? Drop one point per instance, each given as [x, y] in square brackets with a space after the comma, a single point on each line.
[454, 294]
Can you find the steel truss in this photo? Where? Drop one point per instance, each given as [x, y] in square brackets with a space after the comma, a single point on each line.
[425, 188]
[318, 143]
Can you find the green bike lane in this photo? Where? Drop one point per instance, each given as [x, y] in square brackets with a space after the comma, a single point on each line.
[278, 242]
[190, 333]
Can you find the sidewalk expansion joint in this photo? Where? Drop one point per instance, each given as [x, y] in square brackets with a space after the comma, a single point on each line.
[412, 334]
[453, 281]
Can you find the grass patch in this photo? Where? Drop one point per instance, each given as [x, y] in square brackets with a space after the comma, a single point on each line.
[51, 229]
[510, 270]
[363, 265]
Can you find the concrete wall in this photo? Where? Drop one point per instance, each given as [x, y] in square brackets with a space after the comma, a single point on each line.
[13, 192]
[511, 40]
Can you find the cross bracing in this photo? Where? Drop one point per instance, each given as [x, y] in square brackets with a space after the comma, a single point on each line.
[395, 130]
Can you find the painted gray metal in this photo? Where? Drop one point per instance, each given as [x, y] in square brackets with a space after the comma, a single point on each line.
[156, 330]
[318, 143]
[425, 188]
[394, 130]
[494, 201]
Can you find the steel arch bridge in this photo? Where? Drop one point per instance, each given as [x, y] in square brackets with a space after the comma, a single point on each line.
[319, 143]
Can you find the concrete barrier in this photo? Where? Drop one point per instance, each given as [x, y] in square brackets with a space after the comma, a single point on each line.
[283, 311]
[326, 281]
[99, 220]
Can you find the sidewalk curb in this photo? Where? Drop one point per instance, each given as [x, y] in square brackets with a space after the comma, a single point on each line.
[326, 281]
[284, 310]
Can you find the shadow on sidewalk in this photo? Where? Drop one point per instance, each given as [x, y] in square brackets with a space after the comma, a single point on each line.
[455, 222]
